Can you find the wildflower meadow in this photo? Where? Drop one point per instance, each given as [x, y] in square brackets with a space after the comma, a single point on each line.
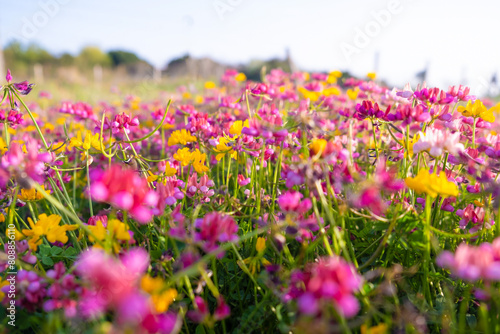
[301, 203]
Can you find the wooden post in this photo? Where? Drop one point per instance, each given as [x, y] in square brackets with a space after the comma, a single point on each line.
[97, 74]
[38, 72]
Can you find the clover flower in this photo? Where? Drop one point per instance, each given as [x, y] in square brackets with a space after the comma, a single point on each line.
[437, 141]
[125, 190]
[330, 281]
[214, 229]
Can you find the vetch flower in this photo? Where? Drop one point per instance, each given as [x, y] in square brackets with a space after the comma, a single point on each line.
[331, 280]
[437, 142]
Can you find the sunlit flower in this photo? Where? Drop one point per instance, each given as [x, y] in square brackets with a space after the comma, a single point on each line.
[49, 227]
[432, 184]
[436, 142]
[224, 147]
[184, 156]
[477, 109]
[32, 194]
[181, 137]
[199, 161]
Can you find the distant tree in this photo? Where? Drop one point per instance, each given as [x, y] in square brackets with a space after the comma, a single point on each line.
[34, 54]
[66, 59]
[120, 57]
[91, 56]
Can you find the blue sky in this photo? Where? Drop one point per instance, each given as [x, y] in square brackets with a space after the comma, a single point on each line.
[457, 40]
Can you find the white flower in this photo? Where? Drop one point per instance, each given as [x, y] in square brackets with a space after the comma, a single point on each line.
[438, 141]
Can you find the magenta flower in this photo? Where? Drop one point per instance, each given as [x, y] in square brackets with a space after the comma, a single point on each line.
[126, 190]
[23, 166]
[329, 281]
[215, 229]
[24, 88]
[473, 263]
[8, 77]
[111, 282]
[368, 109]
[438, 141]
[81, 111]
[291, 201]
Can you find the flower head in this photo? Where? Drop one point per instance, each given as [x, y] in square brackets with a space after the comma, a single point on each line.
[477, 109]
[432, 184]
[49, 227]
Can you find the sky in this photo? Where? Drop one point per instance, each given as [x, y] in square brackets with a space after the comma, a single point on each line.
[457, 41]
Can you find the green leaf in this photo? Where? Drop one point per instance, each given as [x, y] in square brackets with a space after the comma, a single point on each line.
[70, 252]
[55, 251]
[47, 261]
[471, 320]
[44, 250]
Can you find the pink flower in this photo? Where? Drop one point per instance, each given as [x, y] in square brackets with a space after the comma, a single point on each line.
[291, 202]
[330, 280]
[111, 283]
[473, 263]
[438, 141]
[214, 229]
[242, 181]
[126, 190]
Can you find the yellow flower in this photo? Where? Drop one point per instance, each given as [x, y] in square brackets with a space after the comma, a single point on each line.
[254, 262]
[160, 299]
[169, 170]
[152, 177]
[379, 329]
[222, 149]
[59, 147]
[151, 284]
[163, 300]
[32, 194]
[331, 91]
[181, 137]
[49, 227]
[318, 146]
[313, 96]
[432, 184]
[333, 76]
[353, 93]
[477, 110]
[411, 142]
[48, 126]
[209, 85]
[240, 77]
[237, 126]
[87, 142]
[3, 146]
[199, 99]
[186, 95]
[371, 75]
[2, 284]
[184, 156]
[2, 218]
[115, 229]
[260, 245]
[199, 161]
